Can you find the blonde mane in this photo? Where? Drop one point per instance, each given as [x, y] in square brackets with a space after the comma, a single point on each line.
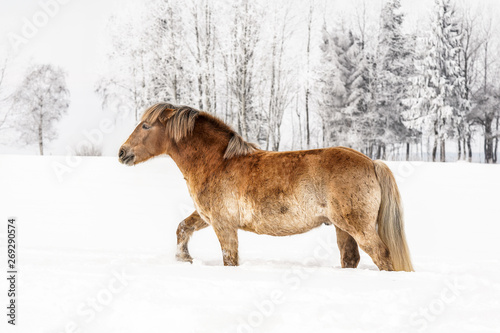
[239, 147]
[180, 124]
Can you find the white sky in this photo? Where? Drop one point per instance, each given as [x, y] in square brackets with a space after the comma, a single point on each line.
[74, 38]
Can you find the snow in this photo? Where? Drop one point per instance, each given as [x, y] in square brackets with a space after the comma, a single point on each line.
[97, 254]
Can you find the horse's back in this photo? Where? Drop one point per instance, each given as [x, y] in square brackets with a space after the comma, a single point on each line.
[336, 161]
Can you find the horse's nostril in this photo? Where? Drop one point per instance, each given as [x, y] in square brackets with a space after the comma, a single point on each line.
[121, 153]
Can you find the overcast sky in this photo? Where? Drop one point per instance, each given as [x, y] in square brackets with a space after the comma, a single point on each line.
[74, 38]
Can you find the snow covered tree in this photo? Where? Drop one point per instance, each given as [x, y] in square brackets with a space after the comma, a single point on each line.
[471, 44]
[40, 101]
[280, 82]
[394, 68]
[438, 103]
[485, 112]
[308, 71]
[344, 96]
[125, 82]
[169, 67]
[204, 53]
[244, 37]
[148, 59]
[332, 84]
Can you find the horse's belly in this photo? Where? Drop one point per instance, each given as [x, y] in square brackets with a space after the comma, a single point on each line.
[283, 225]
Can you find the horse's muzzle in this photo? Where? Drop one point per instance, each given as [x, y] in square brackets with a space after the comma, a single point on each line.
[125, 156]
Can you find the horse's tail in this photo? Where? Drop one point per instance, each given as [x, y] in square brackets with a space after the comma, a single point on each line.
[390, 219]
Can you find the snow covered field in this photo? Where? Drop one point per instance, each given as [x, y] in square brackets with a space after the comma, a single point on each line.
[97, 243]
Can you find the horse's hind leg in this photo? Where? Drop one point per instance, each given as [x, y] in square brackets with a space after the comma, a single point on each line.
[362, 227]
[370, 242]
[349, 254]
[186, 228]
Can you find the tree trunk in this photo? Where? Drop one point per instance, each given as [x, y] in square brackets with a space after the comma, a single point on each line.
[436, 138]
[198, 59]
[308, 134]
[434, 149]
[407, 151]
[324, 134]
[495, 143]
[243, 118]
[469, 148]
[459, 149]
[442, 150]
[488, 140]
[272, 95]
[40, 137]
[300, 122]
[277, 140]
[465, 148]
[380, 152]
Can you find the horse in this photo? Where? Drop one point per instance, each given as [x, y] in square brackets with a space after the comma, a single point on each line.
[235, 185]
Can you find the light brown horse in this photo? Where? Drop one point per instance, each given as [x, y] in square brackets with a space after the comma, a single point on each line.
[235, 186]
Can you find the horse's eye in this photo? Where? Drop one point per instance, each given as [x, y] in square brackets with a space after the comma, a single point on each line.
[145, 126]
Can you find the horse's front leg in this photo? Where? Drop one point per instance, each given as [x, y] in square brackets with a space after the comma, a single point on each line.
[228, 239]
[186, 228]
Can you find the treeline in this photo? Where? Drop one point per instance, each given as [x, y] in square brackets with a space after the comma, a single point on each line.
[367, 80]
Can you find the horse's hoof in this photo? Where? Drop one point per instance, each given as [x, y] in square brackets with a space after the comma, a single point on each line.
[184, 258]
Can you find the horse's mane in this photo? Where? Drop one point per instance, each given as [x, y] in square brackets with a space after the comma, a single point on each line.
[181, 123]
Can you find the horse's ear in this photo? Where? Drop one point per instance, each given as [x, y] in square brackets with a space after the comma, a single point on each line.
[166, 115]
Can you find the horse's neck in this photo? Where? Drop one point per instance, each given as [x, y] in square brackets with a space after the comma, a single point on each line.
[198, 155]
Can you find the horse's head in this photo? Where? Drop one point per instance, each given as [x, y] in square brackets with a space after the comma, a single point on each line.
[148, 139]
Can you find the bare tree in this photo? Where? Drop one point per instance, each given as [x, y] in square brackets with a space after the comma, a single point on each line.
[40, 101]
[124, 84]
[280, 83]
[147, 61]
[308, 60]
[204, 54]
[487, 98]
[472, 42]
[245, 35]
